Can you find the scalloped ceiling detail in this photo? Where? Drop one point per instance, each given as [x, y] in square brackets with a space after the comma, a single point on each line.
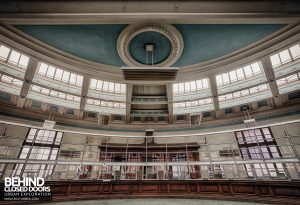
[202, 42]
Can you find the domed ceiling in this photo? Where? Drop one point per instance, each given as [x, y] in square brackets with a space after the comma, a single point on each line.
[98, 43]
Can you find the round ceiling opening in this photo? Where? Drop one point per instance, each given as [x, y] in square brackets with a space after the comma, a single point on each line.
[161, 48]
[166, 40]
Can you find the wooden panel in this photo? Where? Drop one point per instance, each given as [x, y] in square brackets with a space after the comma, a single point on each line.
[59, 190]
[90, 188]
[121, 188]
[208, 188]
[226, 189]
[245, 189]
[163, 188]
[264, 190]
[106, 187]
[193, 187]
[75, 189]
[135, 188]
[150, 187]
[178, 188]
[287, 191]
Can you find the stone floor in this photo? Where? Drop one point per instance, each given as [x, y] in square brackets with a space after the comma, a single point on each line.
[154, 202]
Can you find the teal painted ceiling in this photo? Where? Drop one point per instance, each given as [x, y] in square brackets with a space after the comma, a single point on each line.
[97, 43]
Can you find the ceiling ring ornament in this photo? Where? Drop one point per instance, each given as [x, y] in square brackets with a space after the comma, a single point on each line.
[133, 30]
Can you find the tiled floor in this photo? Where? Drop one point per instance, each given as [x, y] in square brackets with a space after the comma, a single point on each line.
[154, 202]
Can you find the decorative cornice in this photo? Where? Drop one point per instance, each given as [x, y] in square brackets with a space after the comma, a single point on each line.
[27, 44]
[133, 30]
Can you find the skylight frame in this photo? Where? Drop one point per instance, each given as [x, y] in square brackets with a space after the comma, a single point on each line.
[193, 103]
[103, 103]
[55, 93]
[14, 57]
[191, 86]
[108, 87]
[59, 74]
[239, 74]
[243, 93]
[10, 80]
[285, 56]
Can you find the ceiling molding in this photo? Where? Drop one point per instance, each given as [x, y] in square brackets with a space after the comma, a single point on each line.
[27, 44]
[126, 12]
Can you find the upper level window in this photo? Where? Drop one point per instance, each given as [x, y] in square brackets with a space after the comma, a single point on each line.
[107, 86]
[102, 103]
[10, 80]
[239, 74]
[243, 93]
[54, 93]
[288, 79]
[13, 57]
[193, 103]
[191, 86]
[285, 56]
[60, 75]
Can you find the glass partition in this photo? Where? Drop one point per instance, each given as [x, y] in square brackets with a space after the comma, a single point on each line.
[260, 153]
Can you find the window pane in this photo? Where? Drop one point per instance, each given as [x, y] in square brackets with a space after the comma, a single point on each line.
[253, 90]
[181, 87]
[225, 77]
[79, 80]
[285, 56]
[58, 74]
[123, 88]
[295, 51]
[219, 80]
[187, 87]
[233, 76]
[292, 78]
[36, 88]
[255, 68]
[93, 84]
[117, 87]
[105, 86]
[111, 87]
[23, 61]
[43, 69]
[50, 71]
[175, 88]
[205, 83]
[66, 76]
[240, 73]
[53, 93]
[72, 79]
[275, 60]
[14, 57]
[236, 94]
[99, 84]
[6, 79]
[45, 91]
[248, 71]
[193, 85]
[4, 51]
[199, 84]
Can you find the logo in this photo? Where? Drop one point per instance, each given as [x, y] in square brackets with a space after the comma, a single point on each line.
[29, 189]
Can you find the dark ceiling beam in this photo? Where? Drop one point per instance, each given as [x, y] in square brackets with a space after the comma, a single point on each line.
[226, 11]
[129, 90]
[169, 89]
[84, 92]
[29, 74]
[270, 75]
[214, 91]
